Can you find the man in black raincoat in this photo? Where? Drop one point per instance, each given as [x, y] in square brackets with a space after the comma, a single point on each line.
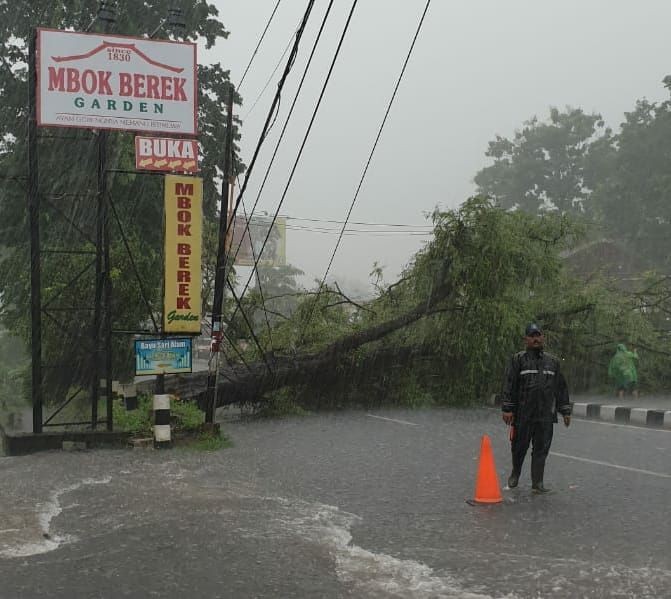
[534, 391]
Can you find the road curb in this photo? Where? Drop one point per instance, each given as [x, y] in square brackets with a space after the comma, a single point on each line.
[623, 414]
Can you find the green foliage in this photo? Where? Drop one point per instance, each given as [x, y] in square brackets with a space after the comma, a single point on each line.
[545, 163]
[632, 196]
[184, 417]
[208, 442]
[281, 404]
[138, 422]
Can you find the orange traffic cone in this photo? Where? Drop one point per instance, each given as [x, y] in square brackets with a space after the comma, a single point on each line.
[487, 489]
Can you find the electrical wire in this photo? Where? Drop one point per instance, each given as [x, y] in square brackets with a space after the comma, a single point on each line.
[370, 157]
[305, 137]
[270, 78]
[276, 99]
[258, 45]
[258, 280]
[284, 127]
[352, 222]
[262, 137]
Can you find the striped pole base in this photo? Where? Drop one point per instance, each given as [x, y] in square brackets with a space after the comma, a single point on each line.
[162, 437]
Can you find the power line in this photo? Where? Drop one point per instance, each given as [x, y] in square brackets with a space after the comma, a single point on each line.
[370, 232]
[305, 137]
[368, 224]
[370, 157]
[262, 137]
[258, 280]
[258, 45]
[284, 127]
[276, 99]
[270, 78]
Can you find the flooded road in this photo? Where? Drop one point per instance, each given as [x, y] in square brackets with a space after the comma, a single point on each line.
[352, 504]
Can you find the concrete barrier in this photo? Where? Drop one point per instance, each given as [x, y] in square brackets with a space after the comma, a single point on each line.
[623, 414]
[638, 416]
[580, 410]
[608, 413]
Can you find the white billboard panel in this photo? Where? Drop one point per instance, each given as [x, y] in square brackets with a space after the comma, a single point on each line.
[101, 81]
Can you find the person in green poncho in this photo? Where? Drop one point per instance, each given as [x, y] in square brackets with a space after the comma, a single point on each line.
[622, 371]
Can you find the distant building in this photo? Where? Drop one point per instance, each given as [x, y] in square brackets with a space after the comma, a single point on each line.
[605, 259]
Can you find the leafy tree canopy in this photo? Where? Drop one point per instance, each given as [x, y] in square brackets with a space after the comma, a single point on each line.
[543, 166]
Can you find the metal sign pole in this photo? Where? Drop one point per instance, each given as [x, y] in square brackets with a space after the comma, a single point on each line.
[34, 220]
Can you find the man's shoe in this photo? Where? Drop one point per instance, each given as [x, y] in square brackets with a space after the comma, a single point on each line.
[539, 488]
[513, 479]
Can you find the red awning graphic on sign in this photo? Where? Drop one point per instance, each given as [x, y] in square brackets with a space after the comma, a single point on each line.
[106, 45]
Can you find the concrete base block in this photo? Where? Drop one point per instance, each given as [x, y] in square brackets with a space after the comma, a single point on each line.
[638, 416]
[608, 413]
[580, 409]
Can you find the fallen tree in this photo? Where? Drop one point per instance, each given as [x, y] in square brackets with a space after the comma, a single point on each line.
[444, 331]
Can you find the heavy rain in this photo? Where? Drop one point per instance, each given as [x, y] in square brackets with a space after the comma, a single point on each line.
[335, 299]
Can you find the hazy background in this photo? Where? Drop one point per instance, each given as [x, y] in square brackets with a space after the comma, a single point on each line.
[479, 68]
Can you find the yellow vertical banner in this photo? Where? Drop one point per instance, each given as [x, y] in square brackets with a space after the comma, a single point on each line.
[183, 247]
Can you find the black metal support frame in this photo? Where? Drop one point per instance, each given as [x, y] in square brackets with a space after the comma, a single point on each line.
[101, 338]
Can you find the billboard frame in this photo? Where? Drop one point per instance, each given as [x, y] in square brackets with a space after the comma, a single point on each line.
[38, 56]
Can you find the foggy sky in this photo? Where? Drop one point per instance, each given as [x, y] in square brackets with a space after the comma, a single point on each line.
[479, 68]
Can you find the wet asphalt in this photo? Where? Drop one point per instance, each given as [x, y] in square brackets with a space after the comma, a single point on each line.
[351, 504]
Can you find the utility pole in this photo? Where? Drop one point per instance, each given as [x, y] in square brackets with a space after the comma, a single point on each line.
[220, 272]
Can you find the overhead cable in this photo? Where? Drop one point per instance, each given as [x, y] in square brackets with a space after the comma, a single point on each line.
[370, 156]
[258, 45]
[284, 127]
[276, 99]
[305, 138]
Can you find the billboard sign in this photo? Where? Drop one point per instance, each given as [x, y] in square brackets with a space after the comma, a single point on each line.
[100, 81]
[183, 246]
[250, 240]
[166, 154]
[163, 356]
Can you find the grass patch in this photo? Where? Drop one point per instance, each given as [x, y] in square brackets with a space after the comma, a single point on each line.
[206, 442]
[137, 422]
[185, 416]
[186, 421]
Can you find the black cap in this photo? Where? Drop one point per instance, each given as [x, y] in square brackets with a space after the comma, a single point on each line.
[532, 328]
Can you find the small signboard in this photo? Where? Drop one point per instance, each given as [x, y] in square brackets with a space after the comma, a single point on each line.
[103, 81]
[166, 154]
[248, 238]
[163, 356]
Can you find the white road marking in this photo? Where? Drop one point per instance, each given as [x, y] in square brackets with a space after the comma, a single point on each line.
[634, 426]
[618, 466]
[394, 420]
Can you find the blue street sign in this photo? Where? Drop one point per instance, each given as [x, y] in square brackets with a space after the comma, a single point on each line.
[162, 356]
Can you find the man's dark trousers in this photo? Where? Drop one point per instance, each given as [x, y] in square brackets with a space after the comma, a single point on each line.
[539, 434]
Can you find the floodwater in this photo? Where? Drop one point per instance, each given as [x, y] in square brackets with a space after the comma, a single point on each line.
[352, 504]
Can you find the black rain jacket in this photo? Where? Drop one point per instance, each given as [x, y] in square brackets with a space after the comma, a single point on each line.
[534, 389]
